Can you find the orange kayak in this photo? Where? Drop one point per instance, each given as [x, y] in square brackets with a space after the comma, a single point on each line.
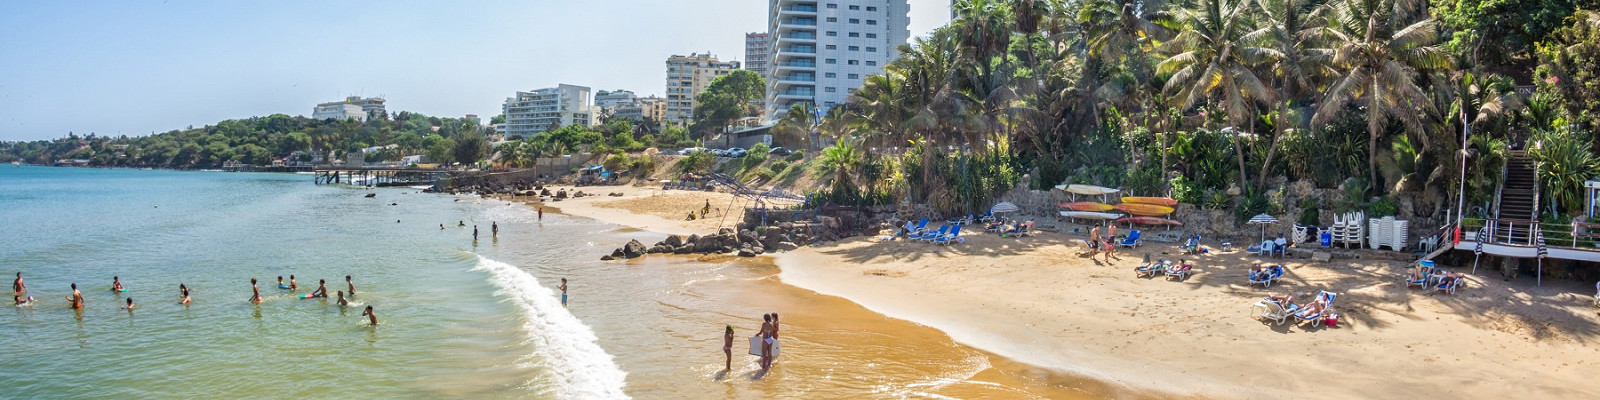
[1160, 201]
[1086, 206]
[1148, 210]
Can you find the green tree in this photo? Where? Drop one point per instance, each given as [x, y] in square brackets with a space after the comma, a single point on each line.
[1212, 63]
[470, 147]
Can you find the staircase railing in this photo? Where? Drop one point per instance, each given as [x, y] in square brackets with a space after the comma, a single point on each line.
[1499, 190]
[1536, 191]
[1576, 235]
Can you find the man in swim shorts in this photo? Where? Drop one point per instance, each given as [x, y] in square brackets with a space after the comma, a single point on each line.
[342, 301]
[351, 284]
[322, 289]
[293, 286]
[116, 284]
[76, 298]
[371, 316]
[255, 291]
[16, 286]
[563, 292]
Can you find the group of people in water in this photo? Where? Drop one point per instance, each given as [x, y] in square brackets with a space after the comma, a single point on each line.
[20, 289]
[768, 336]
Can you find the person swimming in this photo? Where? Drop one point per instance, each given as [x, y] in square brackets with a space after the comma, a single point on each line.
[461, 224]
[116, 284]
[183, 293]
[342, 301]
[351, 284]
[322, 289]
[372, 316]
[21, 301]
[255, 291]
[280, 283]
[727, 346]
[76, 298]
[129, 307]
[563, 292]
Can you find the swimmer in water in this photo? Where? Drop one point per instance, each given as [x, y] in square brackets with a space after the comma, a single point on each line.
[116, 284]
[280, 283]
[21, 301]
[293, 286]
[183, 291]
[322, 289]
[351, 284]
[371, 316]
[563, 292]
[255, 296]
[441, 227]
[76, 298]
[342, 301]
[130, 305]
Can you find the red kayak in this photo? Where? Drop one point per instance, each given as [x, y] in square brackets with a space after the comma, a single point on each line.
[1149, 221]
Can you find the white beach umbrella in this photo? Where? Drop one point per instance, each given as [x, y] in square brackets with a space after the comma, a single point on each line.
[1004, 207]
[1263, 220]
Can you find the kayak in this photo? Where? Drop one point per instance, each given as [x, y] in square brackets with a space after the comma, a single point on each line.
[1149, 210]
[1086, 206]
[1090, 215]
[1090, 190]
[1149, 221]
[1160, 201]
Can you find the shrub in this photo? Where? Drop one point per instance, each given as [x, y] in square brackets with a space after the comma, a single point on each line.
[1384, 207]
[1187, 191]
[777, 166]
[615, 162]
[765, 174]
[1311, 216]
[797, 155]
[697, 162]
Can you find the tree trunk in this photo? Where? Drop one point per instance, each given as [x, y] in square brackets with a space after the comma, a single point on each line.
[1272, 148]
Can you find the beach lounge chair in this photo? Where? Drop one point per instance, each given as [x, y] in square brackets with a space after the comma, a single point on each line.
[1132, 240]
[1274, 273]
[930, 236]
[1191, 246]
[1268, 309]
[1150, 268]
[1418, 277]
[987, 216]
[1315, 316]
[1181, 271]
[921, 228]
[953, 236]
[1449, 284]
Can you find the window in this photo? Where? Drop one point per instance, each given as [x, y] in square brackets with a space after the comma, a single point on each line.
[872, 22]
[830, 75]
[872, 63]
[832, 47]
[869, 8]
[832, 19]
[854, 62]
[831, 5]
[855, 34]
[872, 36]
[853, 90]
[855, 76]
[855, 7]
[830, 89]
[831, 104]
[833, 33]
[872, 49]
[855, 48]
[830, 61]
[853, 20]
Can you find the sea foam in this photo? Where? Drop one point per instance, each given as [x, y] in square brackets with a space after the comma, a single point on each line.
[565, 346]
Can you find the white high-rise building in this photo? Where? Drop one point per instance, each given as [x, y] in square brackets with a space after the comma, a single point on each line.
[687, 76]
[609, 99]
[822, 50]
[756, 50]
[530, 113]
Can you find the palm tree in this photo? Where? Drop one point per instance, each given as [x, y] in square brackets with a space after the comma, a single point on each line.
[1378, 51]
[798, 122]
[1214, 63]
[1301, 66]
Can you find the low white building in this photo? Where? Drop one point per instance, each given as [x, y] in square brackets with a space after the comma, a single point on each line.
[338, 111]
[530, 113]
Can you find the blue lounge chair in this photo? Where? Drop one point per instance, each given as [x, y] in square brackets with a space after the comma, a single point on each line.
[953, 236]
[1448, 284]
[1306, 314]
[920, 228]
[1150, 268]
[1419, 277]
[928, 237]
[1274, 273]
[987, 216]
[1131, 241]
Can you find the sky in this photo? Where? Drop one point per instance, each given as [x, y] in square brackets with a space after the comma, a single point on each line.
[140, 67]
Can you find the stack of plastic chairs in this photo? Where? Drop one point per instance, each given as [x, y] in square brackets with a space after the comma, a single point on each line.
[1398, 236]
[1349, 229]
[1378, 231]
[1300, 232]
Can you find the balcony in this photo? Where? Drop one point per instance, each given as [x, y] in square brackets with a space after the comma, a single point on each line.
[799, 9]
[798, 22]
[805, 92]
[797, 78]
[798, 49]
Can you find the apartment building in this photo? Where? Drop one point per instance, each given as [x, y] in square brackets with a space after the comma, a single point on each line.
[756, 50]
[606, 100]
[654, 108]
[822, 50]
[356, 107]
[687, 76]
[530, 113]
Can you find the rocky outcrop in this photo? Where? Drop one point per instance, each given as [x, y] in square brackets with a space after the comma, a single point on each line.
[633, 249]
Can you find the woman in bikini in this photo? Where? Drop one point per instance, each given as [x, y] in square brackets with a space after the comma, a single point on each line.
[727, 346]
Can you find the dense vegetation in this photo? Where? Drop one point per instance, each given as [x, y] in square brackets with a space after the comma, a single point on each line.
[1211, 101]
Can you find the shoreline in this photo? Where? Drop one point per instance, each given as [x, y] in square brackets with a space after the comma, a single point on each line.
[1034, 301]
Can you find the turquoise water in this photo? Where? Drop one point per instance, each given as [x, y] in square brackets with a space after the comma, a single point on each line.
[444, 330]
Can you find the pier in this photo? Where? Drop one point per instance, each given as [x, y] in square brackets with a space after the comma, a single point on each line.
[378, 176]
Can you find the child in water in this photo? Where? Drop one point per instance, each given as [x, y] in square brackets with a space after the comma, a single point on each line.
[371, 316]
[130, 305]
[342, 301]
[183, 291]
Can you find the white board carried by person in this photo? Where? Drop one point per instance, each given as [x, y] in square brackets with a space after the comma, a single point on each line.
[755, 347]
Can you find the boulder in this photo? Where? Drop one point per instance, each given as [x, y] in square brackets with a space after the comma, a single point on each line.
[748, 236]
[683, 250]
[725, 232]
[673, 241]
[658, 249]
[786, 246]
[607, 258]
[617, 253]
[746, 253]
[727, 249]
[693, 239]
[633, 249]
[757, 249]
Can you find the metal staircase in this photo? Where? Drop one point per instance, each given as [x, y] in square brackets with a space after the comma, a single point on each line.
[1518, 194]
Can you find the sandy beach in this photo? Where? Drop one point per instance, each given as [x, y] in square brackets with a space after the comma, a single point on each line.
[1038, 301]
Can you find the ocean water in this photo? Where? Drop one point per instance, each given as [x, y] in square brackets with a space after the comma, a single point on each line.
[459, 317]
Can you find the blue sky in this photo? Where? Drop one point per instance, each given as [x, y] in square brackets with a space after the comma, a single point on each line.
[137, 67]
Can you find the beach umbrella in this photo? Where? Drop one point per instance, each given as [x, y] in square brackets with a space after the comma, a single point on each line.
[1004, 207]
[1541, 251]
[1263, 220]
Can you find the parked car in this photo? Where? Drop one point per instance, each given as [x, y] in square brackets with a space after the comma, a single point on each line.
[780, 151]
[719, 152]
[688, 151]
[737, 152]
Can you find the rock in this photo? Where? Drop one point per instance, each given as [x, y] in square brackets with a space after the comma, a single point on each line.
[673, 241]
[607, 258]
[544, 192]
[747, 236]
[617, 253]
[683, 250]
[727, 249]
[690, 241]
[725, 232]
[757, 249]
[658, 249]
[746, 253]
[633, 249]
[786, 246]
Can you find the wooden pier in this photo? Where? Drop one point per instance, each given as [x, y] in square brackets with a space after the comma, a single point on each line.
[378, 177]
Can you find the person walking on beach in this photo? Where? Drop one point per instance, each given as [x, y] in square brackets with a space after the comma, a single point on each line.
[1094, 239]
[116, 284]
[372, 316]
[16, 286]
[1111, 240]
[727, 346]
[183, 292]
[76, 298]
[255, 291]
[563, 292]
[351, 284]
[322, 289]
[706, 210]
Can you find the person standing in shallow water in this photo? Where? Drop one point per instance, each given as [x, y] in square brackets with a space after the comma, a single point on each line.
[494, 228]
[16, 286]
[372, 317]
[563, 292]
[183, 291]
[255, 296]
[76, 298]
[351, 284]
[727, 346]
[474, 232]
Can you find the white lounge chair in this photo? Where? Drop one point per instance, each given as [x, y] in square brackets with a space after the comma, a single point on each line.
[1268, 309]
